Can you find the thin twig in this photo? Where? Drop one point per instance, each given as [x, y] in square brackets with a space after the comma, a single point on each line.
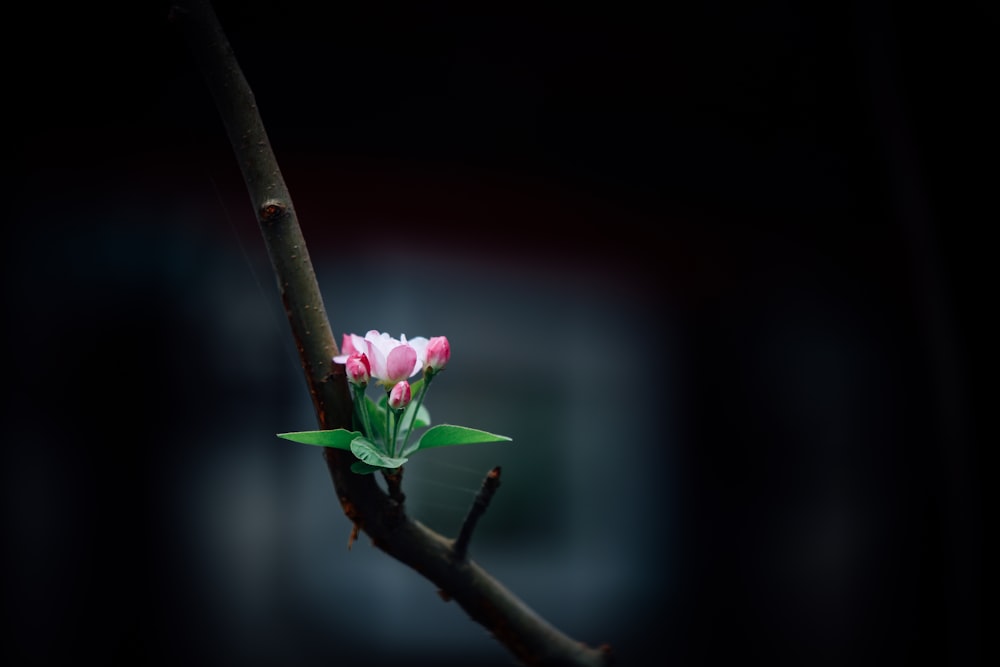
[490, 485]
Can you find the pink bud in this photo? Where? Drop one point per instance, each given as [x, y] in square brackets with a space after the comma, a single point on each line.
[358, 369]
[438, 353]
[400, 396]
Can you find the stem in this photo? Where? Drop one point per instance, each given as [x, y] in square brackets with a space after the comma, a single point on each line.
[394, 484]
[529, 637]
[416, 409]
[390, 444]
[361, 406]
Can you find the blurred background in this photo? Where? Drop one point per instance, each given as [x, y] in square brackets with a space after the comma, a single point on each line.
[716, 269]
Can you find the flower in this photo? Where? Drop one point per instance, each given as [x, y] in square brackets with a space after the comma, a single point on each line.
[437, 354]
[390, 360]
[400, 395]
[358, 369]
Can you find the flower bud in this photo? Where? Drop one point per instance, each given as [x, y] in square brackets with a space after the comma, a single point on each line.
[358, 369]
[399, 396]
[438, 354]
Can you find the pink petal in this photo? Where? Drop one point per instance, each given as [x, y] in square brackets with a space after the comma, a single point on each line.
[350, 344]
[347, 346]
[377, 360]
[420, 345]
[400, 363]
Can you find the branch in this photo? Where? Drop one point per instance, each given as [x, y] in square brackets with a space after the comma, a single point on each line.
[528, 636]
[394, 483]
[490, 485]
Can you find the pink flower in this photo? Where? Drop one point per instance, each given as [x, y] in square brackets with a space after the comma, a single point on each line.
[390, 360]
[400, 395]
[358, 368]
[437, 354]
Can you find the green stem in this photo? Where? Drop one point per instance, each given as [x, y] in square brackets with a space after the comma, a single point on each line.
[390, 442]
[361, 406]
[396, 415]
[416, 408]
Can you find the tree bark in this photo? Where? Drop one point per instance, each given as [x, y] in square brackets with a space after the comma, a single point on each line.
[530, 638]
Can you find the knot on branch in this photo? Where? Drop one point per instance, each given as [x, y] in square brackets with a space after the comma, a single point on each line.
[272, 210]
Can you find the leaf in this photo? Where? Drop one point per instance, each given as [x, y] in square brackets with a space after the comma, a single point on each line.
[339, 438]
[444, 435]
[362, 468]
[367, 451]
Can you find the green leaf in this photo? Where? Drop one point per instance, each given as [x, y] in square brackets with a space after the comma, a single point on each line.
[368, 451]
[339, 438]
[362, 468]
[444, 435]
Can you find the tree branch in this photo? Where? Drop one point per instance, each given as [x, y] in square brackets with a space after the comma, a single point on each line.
[528, 636]
[490, 485]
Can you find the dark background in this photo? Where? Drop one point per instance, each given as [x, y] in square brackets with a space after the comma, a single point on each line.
[720, 270]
